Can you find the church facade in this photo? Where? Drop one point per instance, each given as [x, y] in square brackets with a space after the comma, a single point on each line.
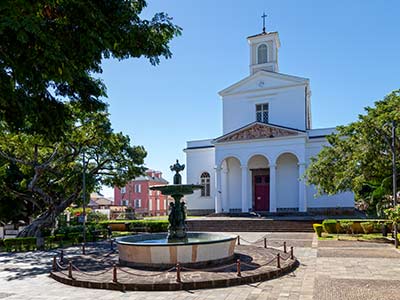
[258, 162]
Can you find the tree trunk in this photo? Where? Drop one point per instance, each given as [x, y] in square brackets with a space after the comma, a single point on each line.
[45, 220]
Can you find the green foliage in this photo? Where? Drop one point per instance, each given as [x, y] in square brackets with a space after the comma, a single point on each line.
[140, 225]
[393, 214]
[346, 226]
[20, 244]
[91, 215]
[116, 234]
[355, 226]
[330, 226]
[95, 216]
[50, 174]
[51, 51]
[359, 157]
[368, 227]
[318, 228]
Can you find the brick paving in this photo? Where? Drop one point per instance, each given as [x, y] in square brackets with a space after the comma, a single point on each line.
[373, 277]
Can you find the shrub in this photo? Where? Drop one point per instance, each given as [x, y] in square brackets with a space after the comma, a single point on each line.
[330, 226]
[346, 226]
[20, 244]
[318, 229]
[137, 225]
[49, 241]
[393, 214]
[368, 227]
[157, 226]
[95, 216]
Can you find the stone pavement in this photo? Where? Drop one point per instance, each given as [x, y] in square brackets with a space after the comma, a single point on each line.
[96, 271]
[358, 271]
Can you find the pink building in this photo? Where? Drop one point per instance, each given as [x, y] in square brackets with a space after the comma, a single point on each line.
[136, 194]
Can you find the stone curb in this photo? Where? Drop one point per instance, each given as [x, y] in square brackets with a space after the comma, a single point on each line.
[190, 285]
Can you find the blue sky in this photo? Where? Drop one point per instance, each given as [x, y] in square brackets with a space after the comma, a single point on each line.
[350, 51]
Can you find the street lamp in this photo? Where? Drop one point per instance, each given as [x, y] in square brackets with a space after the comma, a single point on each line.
[84, 201]
[392, 145]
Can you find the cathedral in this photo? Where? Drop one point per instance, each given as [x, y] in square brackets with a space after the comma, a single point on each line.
[266, 144]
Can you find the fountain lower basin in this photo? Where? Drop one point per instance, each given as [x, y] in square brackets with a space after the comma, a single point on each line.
[155, 250]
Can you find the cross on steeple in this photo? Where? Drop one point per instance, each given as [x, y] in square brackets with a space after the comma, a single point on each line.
[263, 17]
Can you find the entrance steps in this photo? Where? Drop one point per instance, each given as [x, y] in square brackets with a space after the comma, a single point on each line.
[249, 224]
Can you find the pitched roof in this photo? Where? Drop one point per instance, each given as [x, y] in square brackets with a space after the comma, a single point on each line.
[258, 130]
[262, 34]
[264, 73]
[150, 178]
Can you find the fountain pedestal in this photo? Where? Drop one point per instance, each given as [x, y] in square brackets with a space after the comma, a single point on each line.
[177, 209]
[161, 250]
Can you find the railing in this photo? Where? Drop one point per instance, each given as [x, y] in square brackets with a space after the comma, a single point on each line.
[58, 266]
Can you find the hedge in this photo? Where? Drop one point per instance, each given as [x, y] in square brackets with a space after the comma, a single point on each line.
[330, 226]
[318, 228]
[137, 225]
[356, 226]
[64, 235]
[20, 244]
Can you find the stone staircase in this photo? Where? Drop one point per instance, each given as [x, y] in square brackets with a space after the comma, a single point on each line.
[250, 225]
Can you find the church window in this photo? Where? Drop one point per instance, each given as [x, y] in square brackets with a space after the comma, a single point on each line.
[262, 113]
[262, 54]
[205, 182]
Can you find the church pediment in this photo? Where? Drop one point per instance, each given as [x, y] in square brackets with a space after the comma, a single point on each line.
[263, 80]
[257, 131]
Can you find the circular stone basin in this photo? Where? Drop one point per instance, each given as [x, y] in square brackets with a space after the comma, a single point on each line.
[154, 250]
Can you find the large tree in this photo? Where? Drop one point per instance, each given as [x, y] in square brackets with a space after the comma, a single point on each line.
[48, 175]
[359, 156]
[51, 50]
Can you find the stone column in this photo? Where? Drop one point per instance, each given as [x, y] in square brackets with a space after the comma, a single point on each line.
[244, 188]
[225, 187]
[302, 188]
[272, 188]
[218, 180]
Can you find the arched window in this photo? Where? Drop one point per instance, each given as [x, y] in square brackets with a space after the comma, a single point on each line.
[262, 55]
[205, 182]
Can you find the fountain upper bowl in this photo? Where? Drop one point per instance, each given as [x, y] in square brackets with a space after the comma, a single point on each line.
[177, 189]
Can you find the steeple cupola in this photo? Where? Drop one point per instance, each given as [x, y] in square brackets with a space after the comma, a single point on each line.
[264, 51]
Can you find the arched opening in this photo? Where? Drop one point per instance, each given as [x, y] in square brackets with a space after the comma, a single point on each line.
[260, 190]
[262, 54]
[205, 182]
[231, 185]
[287, 182]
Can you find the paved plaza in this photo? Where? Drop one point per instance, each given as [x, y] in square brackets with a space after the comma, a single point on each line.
[328, 270]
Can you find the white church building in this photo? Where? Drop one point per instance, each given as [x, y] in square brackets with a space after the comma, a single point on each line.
[266, 144]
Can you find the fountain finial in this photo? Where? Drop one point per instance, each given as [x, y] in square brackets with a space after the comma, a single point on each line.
[177, 167]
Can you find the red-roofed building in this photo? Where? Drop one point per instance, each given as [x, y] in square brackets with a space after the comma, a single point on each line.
[136, 194]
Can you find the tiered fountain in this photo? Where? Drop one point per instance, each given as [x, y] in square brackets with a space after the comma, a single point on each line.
[166, 249]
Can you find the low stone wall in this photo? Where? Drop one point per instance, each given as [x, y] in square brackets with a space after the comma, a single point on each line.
[200, 212]
[331, 211]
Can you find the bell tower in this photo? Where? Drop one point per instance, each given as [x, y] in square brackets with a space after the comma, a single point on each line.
[264, 50]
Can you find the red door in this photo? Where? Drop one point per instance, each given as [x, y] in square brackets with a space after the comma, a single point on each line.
[261, 192]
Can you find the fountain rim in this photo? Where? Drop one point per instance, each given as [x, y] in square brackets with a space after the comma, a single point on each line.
[225, 238]
[155, 187]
